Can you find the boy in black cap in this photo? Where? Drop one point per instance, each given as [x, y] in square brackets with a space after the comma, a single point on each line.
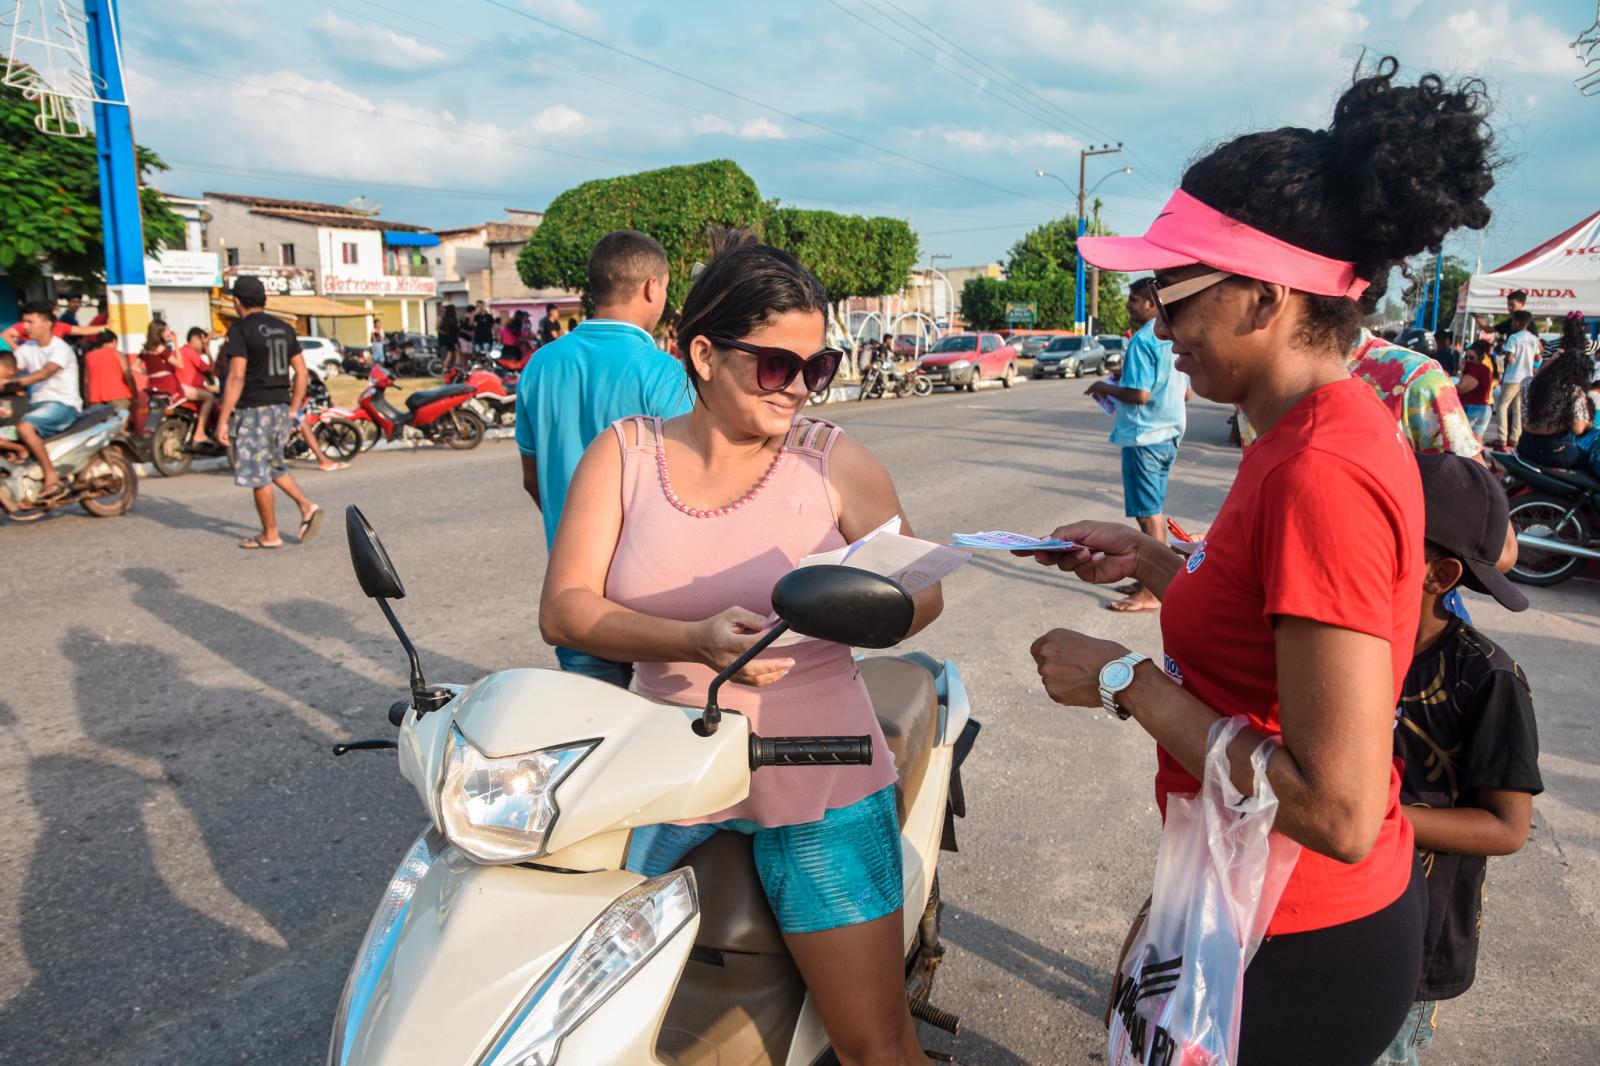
[1465, 729]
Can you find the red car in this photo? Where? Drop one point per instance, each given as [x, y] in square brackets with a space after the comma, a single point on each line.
[961, 360]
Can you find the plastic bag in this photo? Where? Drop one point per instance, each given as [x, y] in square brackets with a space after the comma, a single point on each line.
[1219, 875]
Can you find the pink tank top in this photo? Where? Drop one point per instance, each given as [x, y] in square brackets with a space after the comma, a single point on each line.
[672, 563]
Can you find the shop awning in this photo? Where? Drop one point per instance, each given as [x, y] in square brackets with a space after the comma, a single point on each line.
[402, 239]
[299, 307]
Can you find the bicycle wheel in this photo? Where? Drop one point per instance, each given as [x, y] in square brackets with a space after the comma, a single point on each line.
[339, 439]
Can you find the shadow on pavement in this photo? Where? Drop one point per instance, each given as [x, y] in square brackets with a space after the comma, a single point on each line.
[177, 515]
[324, 621]
[1061, 976]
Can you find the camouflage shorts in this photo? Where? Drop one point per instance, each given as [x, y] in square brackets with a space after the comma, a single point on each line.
[259, 434]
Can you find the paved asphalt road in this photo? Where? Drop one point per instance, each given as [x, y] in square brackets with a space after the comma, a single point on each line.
[193, 871]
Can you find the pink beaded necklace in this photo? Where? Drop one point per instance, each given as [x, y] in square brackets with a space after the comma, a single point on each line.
[697, 512]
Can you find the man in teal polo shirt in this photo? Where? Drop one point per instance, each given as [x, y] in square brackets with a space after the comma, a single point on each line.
[607, 369]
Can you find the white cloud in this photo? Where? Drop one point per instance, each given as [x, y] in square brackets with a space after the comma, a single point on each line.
[285, 117]
[375, 45]
[997, 140]
[762, 129]
[1479, 39]
[754, 129]
[560, 119]
[569, 13]
[1403, 8]
[711, 124]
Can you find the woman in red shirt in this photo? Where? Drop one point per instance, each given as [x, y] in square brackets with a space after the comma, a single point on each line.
[1299, 609]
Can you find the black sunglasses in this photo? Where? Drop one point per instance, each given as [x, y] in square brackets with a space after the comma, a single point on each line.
[776, 368]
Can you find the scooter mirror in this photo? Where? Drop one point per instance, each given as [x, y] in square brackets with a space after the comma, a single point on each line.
[373, 569]
[852, 607]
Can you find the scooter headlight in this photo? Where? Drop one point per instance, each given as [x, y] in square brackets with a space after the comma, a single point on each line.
[502, 810]
[615, 947]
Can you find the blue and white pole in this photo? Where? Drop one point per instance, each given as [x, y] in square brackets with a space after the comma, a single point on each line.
[1080, 305]
[127, 296]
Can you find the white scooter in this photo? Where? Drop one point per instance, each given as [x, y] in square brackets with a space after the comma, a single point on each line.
[512, 934]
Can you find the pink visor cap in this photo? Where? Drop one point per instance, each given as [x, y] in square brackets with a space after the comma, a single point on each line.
[1188, 231]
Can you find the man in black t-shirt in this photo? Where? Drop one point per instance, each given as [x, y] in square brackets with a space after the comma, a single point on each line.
[482, 331]
[1466, 731]
[549, 325]
[266, 381]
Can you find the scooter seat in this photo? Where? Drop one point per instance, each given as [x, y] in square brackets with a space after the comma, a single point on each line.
[907, 705]
[427, 396]
[91, 416]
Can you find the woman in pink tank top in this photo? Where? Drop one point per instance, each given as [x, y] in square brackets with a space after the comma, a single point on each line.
[671, 540]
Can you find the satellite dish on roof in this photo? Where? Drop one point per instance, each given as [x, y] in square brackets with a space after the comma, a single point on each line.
[364, 205]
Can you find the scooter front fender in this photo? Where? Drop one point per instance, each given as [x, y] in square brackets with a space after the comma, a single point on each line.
[471, 944]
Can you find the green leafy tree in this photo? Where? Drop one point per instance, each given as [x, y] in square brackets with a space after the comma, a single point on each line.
[676, 205]
[850, 255]
[50, 203]
[1048, 256]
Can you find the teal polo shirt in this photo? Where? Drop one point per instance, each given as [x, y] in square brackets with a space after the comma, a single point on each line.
[576, 386]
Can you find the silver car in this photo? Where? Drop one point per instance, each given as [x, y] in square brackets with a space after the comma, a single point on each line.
[1072, 354]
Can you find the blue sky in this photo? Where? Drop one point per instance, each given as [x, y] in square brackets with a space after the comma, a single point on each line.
[938, 111]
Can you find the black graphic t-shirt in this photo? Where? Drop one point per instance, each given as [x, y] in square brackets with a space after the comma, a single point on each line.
[266, 345]
[1466, 723]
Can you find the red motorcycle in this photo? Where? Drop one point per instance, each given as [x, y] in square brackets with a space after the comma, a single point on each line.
[440, 415]
[497, 396]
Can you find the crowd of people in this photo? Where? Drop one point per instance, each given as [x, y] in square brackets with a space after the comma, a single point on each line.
[1321, 606]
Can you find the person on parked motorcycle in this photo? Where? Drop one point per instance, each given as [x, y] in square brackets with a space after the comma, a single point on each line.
[1299, 610]
[49, 371]
[107, 377]
[158, 357]
[192, 364]
[1557, 419]
[673, 536]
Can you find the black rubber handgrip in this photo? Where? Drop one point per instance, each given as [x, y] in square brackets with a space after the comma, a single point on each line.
[810, 751]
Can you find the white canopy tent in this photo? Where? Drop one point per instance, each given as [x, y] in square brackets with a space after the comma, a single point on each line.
[1560, 275]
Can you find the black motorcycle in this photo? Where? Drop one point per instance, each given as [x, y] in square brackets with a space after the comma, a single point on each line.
[1556, 518]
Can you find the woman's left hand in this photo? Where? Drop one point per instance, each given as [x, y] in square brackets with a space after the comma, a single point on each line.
[1070, 665]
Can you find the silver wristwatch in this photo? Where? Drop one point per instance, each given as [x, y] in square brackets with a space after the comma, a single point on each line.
[1116, 676]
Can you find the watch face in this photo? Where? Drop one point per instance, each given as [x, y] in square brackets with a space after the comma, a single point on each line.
[1116, 675]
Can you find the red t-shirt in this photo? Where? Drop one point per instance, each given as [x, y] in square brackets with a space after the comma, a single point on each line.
[102, 370]
[192, 367]
[1480, 370]
[1324, 522]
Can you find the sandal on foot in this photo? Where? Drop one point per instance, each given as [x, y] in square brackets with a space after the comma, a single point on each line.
[255, 544]
[310, 525]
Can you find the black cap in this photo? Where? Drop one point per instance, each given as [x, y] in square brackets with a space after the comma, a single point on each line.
[249, 291]
[1467, 518]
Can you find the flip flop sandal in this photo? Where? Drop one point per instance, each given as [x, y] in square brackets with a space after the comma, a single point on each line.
[254, 544]
[51, 494]
[309, 527]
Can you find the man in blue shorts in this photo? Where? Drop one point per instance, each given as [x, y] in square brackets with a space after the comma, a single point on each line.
[49, 371]
[1150, 421]
[606, 369]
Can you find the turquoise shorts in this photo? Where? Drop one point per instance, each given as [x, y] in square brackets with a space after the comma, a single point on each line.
[843, 869]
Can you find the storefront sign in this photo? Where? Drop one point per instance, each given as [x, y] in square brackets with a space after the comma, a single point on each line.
[279, 281]
[381, 285]
[180, 269]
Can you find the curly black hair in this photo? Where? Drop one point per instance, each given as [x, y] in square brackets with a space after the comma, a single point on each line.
[1399, 167]
[1553, 393]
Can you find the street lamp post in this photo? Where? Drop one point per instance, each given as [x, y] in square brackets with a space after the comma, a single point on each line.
[1094, 271]
[1083, 163]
